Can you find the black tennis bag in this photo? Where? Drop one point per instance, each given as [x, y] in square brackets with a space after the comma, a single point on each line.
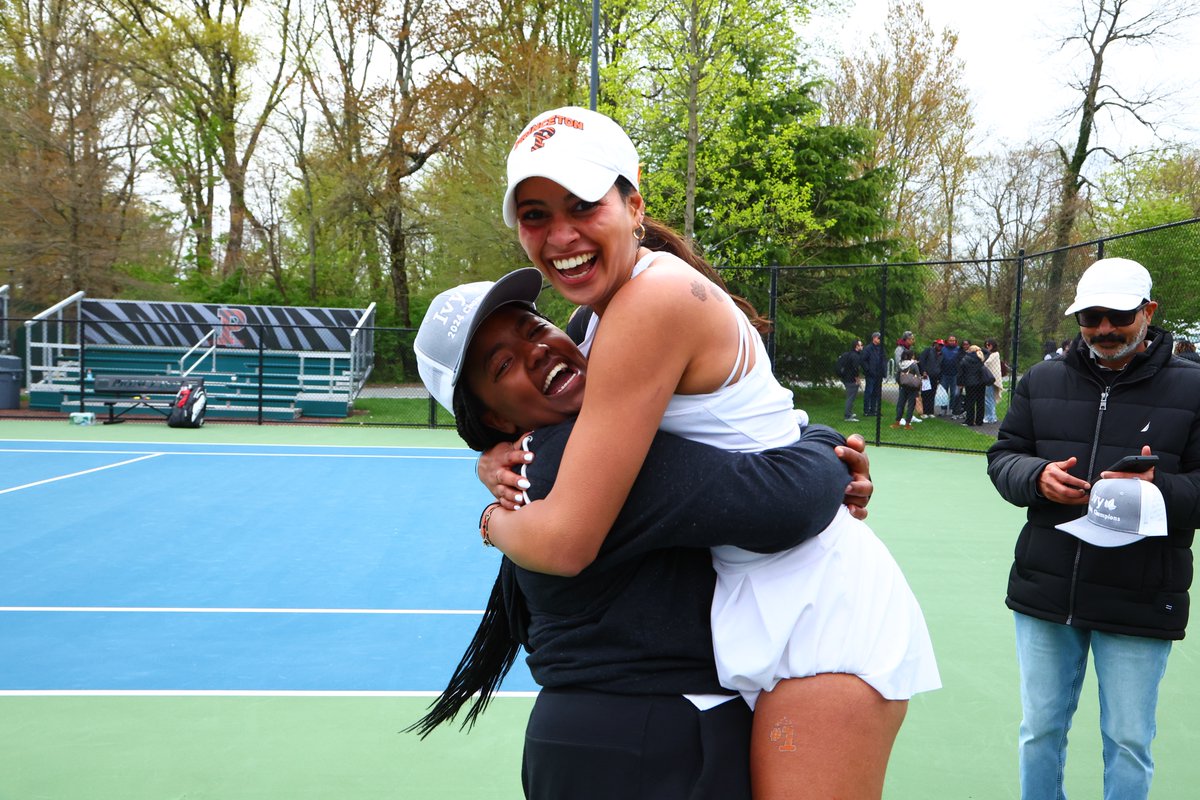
[188, 409]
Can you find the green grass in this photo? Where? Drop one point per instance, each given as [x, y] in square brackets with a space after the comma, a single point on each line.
[825, 405]
[396, 411]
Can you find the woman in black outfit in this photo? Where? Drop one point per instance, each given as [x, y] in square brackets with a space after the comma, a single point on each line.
[630, 705]
[974, 378]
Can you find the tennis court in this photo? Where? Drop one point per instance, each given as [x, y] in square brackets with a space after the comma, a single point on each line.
[258, 612]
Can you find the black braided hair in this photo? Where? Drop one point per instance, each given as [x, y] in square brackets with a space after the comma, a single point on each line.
[468, 418]
[483, 666]
[501, 631]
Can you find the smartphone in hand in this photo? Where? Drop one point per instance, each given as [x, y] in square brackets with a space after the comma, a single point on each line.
[1134, 464]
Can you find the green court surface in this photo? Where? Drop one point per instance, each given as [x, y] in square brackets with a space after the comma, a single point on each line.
[936, 511]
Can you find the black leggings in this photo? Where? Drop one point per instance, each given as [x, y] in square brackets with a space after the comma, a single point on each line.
[586, 745]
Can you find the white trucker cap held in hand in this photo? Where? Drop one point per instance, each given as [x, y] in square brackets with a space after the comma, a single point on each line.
[1120, 511]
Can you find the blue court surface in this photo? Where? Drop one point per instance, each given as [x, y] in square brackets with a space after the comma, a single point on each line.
[130, 568]
[227, 621]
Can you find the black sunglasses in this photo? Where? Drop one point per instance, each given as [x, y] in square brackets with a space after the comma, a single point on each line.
[1090, 317]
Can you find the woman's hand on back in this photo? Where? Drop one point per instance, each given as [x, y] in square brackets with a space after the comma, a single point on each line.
[858, 491]
[498, 470]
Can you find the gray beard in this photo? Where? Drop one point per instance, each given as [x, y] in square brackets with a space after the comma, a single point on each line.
[1130, 347]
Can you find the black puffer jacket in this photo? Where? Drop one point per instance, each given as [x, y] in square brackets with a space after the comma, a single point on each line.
[1065, 407]
[971, 371]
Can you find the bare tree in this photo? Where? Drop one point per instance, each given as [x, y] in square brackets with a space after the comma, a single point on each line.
[1012, 200]
[1102, 27]
[69, 149]
[402, 87]
[909, 86]
[202, 59]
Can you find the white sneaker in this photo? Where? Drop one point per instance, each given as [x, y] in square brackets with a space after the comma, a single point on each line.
[916, 419]
[903, 423]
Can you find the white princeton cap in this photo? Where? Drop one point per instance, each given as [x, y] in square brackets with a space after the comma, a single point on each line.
[1120, 511]
[451, 321]
[1116, 283]
[583, 151]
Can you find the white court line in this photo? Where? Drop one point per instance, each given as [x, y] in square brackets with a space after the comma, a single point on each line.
[77, 474]
[223, 693]
[243, 444]
[197, 610]
[238, 455]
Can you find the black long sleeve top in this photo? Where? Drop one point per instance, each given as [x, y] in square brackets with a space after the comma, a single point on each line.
[636, 621]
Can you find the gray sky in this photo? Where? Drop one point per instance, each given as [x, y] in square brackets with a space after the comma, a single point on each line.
[1018, 75]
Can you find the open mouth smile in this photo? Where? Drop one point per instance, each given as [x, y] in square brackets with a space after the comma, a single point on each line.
[558, 379]
[575, 265]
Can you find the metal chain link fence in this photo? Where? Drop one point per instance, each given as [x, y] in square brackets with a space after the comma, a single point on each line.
[1014, 303]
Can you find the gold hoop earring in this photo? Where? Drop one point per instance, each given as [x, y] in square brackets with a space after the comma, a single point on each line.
[639, 232]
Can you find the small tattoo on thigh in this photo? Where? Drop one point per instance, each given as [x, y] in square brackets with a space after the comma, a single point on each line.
[784, 733]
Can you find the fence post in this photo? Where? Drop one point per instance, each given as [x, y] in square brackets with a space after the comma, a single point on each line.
[883, 340]
[82, 366]
[772, 304]
[1016, 337]
[261, 371]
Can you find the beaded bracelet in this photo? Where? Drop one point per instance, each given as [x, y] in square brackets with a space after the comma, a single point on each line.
[484, 519]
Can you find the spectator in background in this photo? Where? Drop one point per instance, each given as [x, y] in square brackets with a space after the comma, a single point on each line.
[950, 355]
[1049, 351]
[908, 383]
[848, 365]
[905, 342]
[973, 377]
[1187, 350]
[995, 369]
[872, 367]
[930, 364]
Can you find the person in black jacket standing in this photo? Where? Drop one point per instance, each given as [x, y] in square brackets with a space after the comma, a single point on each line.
[930, 364]
[972, 377]
[873, 366]
[848, 365]
[1116, 391]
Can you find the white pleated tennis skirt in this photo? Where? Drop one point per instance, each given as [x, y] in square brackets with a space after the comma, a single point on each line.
[838, 603]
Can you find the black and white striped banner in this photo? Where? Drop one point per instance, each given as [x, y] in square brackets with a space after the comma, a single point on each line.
[146, 322]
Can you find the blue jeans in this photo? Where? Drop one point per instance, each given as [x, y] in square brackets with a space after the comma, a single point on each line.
[871, 389]
[1053, 660]
[989, 404]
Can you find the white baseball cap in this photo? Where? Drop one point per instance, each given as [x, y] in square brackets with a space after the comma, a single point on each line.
[1117, 283]
[1120, 511]
[451, 322]
[581, 150]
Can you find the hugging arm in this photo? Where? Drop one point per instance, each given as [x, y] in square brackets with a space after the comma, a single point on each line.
[693, 495]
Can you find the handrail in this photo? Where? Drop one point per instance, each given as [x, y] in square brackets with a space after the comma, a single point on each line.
[360, 348]
[54, 308]
[4, 344]
[212, 350]
[47, 348]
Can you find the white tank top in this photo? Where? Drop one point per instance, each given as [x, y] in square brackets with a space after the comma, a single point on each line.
[751, 411]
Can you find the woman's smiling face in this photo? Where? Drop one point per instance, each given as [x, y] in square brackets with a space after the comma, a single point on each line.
[526, 372]
[586, 250]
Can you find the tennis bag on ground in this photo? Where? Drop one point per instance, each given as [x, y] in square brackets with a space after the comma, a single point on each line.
[188, 409]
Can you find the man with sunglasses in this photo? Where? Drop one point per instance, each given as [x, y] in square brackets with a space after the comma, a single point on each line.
[1116, 391]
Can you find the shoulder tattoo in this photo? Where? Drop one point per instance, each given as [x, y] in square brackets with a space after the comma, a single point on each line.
[699, 291]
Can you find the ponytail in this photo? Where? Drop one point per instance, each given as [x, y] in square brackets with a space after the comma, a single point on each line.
[663, 238]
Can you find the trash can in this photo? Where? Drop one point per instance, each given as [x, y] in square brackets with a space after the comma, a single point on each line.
[10, 382]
